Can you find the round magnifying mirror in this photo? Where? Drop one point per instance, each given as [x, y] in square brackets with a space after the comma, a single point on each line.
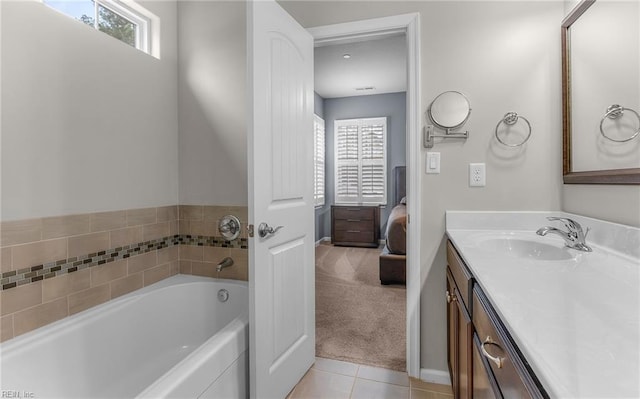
[449, 110]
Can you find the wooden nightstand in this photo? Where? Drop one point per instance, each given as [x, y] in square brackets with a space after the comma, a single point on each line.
[355, 226]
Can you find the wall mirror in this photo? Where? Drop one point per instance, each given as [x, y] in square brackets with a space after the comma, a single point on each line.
[449, 110]
[601, 93]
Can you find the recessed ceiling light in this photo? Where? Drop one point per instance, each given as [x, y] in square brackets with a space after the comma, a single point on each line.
[346, 56]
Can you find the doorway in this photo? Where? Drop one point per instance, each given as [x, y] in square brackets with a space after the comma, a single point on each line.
[407, 25]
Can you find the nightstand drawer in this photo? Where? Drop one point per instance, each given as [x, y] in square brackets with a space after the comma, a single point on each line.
[353, 225]
[354, 213]
[353, 236]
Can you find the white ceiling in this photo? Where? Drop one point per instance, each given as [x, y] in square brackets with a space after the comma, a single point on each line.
[379, 63]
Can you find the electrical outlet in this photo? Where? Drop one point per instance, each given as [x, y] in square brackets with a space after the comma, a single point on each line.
[477, 177]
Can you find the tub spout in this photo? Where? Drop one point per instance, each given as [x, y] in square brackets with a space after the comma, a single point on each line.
[224, 263]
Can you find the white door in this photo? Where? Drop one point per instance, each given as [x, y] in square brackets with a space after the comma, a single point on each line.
[281, 264]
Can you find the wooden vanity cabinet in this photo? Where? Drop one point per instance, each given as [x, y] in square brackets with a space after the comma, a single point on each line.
[483, 359]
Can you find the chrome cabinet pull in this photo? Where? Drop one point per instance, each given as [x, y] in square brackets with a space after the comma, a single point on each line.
[264, 229]
[499, 361]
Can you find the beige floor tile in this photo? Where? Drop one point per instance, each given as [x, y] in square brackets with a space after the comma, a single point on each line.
[367, 389]
[321, 385]
[420, 394]
[383, 375]
[430, 386]
[336, 366]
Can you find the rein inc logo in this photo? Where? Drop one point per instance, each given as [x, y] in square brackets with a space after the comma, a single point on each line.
[16, 394]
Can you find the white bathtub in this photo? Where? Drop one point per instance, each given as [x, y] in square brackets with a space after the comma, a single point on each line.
[170, 339]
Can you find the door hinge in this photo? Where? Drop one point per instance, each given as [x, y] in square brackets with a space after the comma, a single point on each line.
[408, 218]
[250, 230]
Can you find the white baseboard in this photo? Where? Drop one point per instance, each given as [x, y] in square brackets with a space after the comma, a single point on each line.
[435, 376]
[322, 239]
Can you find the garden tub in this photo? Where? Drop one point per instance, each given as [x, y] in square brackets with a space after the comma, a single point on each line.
[177, 338]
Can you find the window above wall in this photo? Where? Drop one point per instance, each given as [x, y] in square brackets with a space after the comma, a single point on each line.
[126, 21]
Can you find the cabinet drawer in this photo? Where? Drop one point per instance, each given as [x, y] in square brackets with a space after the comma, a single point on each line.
[353, 212]
[461, 275]
[512, 378]
[354, 236]
[484, 383]
[354, 225]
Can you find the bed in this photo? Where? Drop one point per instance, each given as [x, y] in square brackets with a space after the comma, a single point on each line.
[393, 258]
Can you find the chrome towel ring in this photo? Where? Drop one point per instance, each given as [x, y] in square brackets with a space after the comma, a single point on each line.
[614, 112]
[510, 119]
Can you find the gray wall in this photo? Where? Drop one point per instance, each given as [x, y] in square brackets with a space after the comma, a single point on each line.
[89, 123]
[212, 105]
[318, 105]
[393, 106]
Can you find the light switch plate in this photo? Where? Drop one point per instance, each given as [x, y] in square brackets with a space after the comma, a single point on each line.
[433, 163]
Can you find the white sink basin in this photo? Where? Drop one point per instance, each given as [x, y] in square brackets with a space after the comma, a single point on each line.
[525, 248]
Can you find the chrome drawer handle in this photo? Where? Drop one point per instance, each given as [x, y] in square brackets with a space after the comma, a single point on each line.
[353, 231]
[353, 220]
[499, 361]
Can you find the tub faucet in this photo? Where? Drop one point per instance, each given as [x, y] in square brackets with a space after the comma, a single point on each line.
[573, 238]
[224, 263]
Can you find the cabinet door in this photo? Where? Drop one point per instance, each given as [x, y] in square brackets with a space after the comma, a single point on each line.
[452, 330]
[465, 332]
[459, 341]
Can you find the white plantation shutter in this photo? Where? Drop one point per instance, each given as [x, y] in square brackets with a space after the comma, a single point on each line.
[360, 161]
[318, 161]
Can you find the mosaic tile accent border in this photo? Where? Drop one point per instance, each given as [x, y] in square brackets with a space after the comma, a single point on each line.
[16, 278]
[208, 241]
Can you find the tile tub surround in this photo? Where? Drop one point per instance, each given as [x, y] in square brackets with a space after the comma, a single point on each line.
[55, 267]
[201, 224]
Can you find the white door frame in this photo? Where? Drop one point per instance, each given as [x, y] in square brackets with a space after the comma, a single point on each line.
[410, 25]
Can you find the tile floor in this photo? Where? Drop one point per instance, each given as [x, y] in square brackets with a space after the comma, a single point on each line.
[334, 379]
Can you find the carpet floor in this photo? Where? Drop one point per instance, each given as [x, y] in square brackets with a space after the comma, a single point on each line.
[357, 319]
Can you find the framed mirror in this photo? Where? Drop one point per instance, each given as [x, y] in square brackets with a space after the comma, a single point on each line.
[601, 93]
[449, 110]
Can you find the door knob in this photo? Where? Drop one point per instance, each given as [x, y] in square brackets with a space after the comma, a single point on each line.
[264, 229]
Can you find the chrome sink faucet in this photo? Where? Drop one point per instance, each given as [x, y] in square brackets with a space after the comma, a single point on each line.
[573, 238]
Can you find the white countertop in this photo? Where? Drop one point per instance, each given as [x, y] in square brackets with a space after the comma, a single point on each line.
[576, 320]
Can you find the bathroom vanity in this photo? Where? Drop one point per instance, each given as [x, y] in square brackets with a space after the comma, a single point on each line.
[530, 318]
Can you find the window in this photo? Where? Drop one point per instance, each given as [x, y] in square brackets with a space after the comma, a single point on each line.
[360, 161]
[318, 161]
[123, 21]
